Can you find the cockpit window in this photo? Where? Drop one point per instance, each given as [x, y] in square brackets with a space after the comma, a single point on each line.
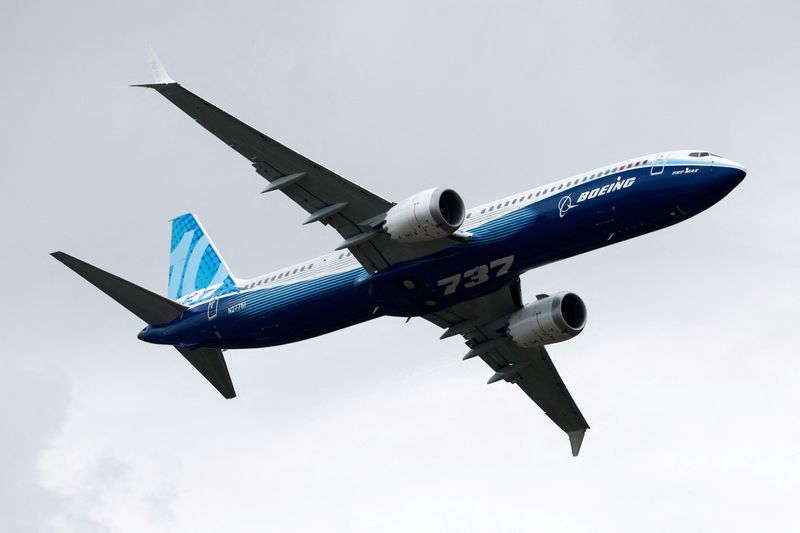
[703, 154]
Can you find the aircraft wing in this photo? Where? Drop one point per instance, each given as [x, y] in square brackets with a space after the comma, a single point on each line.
[530, 368]
[328, 198]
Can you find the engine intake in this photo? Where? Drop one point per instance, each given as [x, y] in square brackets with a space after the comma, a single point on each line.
[426, 216]
[555, 318]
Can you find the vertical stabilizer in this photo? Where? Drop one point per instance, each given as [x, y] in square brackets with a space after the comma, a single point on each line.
[194, 261]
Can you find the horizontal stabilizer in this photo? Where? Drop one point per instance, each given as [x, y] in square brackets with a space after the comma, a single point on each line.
[211, 363]
[149, 306]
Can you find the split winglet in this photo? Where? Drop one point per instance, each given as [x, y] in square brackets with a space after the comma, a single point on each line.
[160, 75]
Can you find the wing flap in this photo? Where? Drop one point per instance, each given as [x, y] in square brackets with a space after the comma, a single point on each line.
[309, 185]
[326, 196]
[274, 161]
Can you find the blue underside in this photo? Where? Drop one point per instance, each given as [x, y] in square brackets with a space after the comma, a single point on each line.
[535, 235]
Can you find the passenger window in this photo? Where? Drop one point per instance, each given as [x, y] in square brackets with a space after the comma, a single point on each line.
[483, 210]
[530, 196]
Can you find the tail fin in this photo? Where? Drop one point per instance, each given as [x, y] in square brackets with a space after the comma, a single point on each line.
[194, 262]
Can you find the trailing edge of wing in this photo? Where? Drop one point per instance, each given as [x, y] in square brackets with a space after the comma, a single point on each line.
[327, 197]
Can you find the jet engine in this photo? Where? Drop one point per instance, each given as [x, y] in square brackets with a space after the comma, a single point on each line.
[548, 320]
[426, 216]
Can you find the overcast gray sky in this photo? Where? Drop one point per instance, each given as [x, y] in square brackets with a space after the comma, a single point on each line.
[687, 372]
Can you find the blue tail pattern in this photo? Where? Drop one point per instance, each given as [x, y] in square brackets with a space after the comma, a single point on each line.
[194, 262]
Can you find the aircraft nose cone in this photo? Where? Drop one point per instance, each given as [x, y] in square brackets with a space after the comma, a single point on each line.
[723, 180]
[734, 174]
[732, 171]
[739, 174]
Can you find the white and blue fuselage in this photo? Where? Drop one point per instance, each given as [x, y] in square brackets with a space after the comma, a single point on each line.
[507, 238]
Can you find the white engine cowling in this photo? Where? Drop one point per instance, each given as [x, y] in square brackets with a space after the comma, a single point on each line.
[552, 319]
[426, 216]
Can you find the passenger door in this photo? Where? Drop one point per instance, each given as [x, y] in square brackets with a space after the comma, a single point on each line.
[658, 166]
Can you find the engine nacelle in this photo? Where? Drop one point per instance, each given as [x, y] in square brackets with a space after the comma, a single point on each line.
[426, 216]
[552, 319]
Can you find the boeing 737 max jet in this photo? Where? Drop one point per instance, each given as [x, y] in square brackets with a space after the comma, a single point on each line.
[424, 256]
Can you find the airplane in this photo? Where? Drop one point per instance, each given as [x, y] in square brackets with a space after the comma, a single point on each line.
[426, 256]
